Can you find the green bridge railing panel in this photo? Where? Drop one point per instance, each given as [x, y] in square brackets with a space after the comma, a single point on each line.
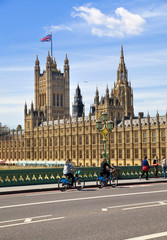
[22, 177]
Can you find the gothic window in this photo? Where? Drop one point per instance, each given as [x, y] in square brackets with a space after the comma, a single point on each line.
[163, 135]
[144, 152]
[120, 153]
[101, 153]
[144, 136]
[153, 152]
[94, 153]
[57, 99]
[61, 141]
[136, 137]
[28, 155]
[153, 136]
[112, 153]
[28, 142]
[87, 140]
[87, 153]
[80, 140]
[50, 142]
[163, 152]
[94, 139]
[127, 137]
[53, 99]
[73, 141]
[67, 140]
[80, 153]
[74, 155]
[50, 155]
[45, 142]
[127, 153]
[45, 154]
[68, 155]
[136, 153]
[61, 154]
[120, 137]
[61, 103]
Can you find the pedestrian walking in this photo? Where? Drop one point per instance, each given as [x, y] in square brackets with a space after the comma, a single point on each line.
[163, 163]
[155, 164]
[145, 168]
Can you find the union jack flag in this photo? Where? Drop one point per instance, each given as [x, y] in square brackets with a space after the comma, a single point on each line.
[48, 38]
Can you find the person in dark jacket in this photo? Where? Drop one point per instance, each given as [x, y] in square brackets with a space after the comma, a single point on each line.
[145, 167]
[103, 169]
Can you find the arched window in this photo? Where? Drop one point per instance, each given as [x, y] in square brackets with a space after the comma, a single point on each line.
[57, 99]
[53, 99]
[61, 103]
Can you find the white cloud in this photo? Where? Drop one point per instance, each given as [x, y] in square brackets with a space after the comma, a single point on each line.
[123, 23]
[57, 28]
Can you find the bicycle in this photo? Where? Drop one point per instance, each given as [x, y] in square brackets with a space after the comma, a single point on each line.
[65, 184]
[102, 181]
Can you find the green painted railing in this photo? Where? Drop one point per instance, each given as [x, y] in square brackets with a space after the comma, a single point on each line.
[52, 175]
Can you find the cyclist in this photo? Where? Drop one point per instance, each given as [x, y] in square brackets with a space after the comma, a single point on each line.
[103, 169]
[67, 170]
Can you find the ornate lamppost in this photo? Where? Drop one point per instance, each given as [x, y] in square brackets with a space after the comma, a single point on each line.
[104, 130]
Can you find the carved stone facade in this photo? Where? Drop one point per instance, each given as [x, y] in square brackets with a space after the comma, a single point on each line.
[51, 134]
[52, 89]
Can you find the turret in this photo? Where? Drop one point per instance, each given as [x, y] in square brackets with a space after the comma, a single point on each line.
[157, 118]
[25, 109]
[78, 105]
[122, 71]
[54, 65]
[66, 67]
[107, 96]
[48, 61]
[37, 67]
[67, 87]
[32, 107]
[36, 81]
[148, 119]
[97, 96]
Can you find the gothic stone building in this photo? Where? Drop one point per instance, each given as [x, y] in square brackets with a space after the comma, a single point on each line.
[50, 133]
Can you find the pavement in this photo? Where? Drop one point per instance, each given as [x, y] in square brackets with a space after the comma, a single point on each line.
[51, 187]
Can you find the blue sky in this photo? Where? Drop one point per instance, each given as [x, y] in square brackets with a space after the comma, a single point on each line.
[91, 33]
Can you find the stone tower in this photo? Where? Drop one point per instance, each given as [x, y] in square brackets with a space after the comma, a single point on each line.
[122, 89]
[78, 106]
[52, 89]
[118, 103]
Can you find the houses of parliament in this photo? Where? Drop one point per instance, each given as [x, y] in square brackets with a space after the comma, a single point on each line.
[51, 133]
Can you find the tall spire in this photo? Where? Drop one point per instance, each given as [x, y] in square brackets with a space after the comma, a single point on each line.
[122, 55]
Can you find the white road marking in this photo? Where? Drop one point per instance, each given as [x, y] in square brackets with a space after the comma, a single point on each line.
[154, 205]
[37, 221]
[104, 209]
[140, 205]
[135, 204]
[20, 219]
[27, 220]
[82, 199]
[150, 236]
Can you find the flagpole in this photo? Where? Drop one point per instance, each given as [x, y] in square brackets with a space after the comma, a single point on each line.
[51, 44]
